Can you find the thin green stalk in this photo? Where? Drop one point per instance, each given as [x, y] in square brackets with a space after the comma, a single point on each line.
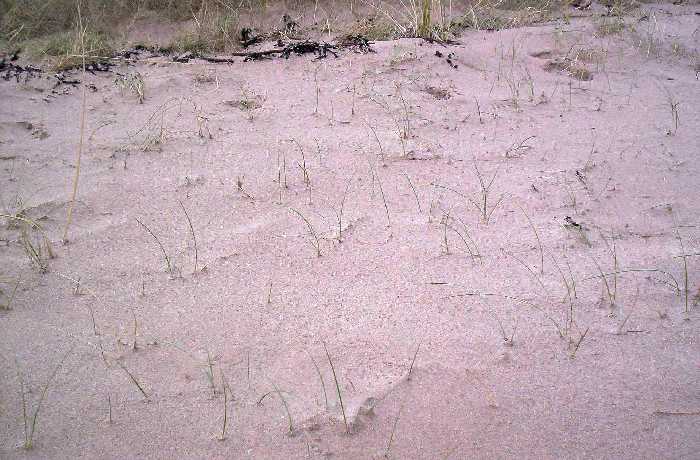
[337, 387]
[393, 430]
[133, 379]
[320, 377]
[413, 361]
[415, 194]
[194, 238]
[537, 237]
[224, 384]
[279, 394]
[160, 245]
[317, 240]
[29, 433]
[76, 177]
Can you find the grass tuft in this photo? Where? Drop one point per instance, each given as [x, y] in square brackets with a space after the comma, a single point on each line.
[30, 429]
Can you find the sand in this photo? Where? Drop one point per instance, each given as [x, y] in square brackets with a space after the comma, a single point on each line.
[451, 335]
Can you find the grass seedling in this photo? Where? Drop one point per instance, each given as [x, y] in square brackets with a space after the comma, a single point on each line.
[512, 151]
[381, 192]
[684, 258]
[464, 236]
[467, 240]
[209, 371]
[38, 252]
[30, 429]
[342, 208]
[578, 344]
[316, 239]
[508, 341]
[305, 171]
[318, 89]
[570, 285]
[413, 361]
[34, 251]
[320, 377]
[79, 154]
[391, 436]
[482, 205]
[11, 298]
[620, 330]
[673, 283]
[135, 347]
[379, 143]
[279, 394]
[226, 390]
[613, 253]
[445, 221]
[415, 194]
[241, 189]
[168, 264]
[537, 237]
[673, 107]
[478, 111]
[109, 405]
[337, 387]
[194, 238]
[608, 289]
[405, 132]
[133, 380]
[281, 175]
[528, 268]
[247, 368]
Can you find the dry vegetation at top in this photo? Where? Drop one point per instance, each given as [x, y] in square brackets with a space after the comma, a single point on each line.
[52, 29]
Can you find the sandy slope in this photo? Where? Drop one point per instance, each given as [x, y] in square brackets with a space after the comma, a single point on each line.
[262, 303]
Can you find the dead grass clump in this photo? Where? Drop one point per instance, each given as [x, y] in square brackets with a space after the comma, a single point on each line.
[438, 93]
[64, 49]
[132, 83]
[215, 28]
[574, 69]
[49, 28]
[588, 55]
[504, 14]
[373, 28]
[8, 297]
[609, 26]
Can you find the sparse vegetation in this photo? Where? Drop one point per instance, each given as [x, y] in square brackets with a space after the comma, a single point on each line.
[280, 124]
